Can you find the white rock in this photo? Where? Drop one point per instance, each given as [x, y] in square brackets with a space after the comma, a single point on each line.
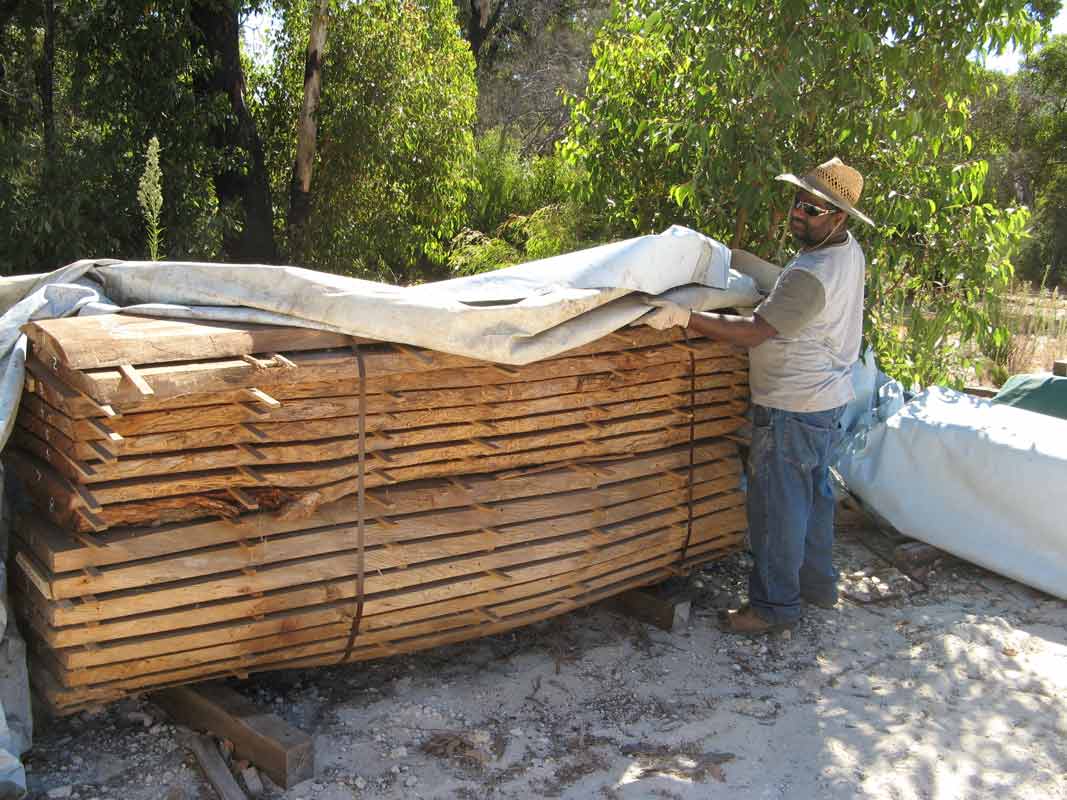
[411, 780]
[516, 731]
[360, 783]
[61, 791]
[253, 782]
[398, 752]
[141, 717]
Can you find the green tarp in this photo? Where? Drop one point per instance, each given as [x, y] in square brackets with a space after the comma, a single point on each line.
[1042, 392]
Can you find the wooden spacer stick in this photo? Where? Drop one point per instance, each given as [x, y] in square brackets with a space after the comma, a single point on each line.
[243, 498]
[104, 429]
[256, 432]
[415, 353]
[253, 408]
[262, 397]
[286, 363]
[86, 497]
[249, 450]
[105, 455]
[255, 362]
[371, 498]
[94, 521]
[250, 473]
[134, 377]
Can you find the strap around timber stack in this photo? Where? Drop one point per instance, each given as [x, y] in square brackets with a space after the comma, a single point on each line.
[357, 617]
[692, 445]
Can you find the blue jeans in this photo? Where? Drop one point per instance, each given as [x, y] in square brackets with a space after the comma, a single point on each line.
[791, 510]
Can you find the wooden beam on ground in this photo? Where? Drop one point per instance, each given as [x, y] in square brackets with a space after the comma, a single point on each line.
[215, 769]
[911, 554]
[667, 610]
[285, 753]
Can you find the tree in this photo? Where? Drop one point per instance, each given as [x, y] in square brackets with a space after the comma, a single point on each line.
[76, 112]
[1043, 83]
[307, 124]
[692, 108]
[241, 181]
[1021, 127]
[394, 134]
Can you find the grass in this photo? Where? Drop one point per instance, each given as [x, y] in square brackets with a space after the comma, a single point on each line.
[1037, 320]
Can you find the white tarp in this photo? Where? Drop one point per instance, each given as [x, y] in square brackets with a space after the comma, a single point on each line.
[974, 478]
[515, 316]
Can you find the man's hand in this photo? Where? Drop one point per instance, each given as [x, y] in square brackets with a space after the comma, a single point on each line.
[666, 314]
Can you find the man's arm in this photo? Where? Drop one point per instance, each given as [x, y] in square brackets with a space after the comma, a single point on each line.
[743, 331]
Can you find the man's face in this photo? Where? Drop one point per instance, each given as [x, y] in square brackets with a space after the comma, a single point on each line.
[806, 222]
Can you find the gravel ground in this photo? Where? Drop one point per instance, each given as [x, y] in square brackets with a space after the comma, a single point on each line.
[952, 685]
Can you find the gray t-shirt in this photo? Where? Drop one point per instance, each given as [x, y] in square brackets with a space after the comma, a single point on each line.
[806, 366]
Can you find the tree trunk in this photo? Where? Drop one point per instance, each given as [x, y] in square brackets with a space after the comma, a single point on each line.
[46, 83]
[242, 182]
[307, 130]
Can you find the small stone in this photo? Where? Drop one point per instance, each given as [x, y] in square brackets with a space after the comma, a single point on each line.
[410, 781]
[359, 783]
[398, 752]
[787, 634]
[145, 720]
[61, 791]
[395, 770]
[516, 731]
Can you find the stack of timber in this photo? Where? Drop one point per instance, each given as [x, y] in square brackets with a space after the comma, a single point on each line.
[214, 499]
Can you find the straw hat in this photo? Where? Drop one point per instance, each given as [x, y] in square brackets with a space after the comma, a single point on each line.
[835, 182]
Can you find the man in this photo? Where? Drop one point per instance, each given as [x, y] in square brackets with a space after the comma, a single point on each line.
[802, 340]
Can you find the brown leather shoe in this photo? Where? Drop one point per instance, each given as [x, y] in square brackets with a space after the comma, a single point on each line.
[747, 620]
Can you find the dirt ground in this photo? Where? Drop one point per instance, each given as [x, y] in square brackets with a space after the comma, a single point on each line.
[955, 687]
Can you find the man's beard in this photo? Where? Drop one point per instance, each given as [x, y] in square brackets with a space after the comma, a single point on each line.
[802, 233]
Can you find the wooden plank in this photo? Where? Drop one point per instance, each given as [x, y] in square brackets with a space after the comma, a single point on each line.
[465, 558]
[582, 585]
[381, 612]
[228, 406]
[108, 340]
[285, 753]
[343, 564]
[386, 372]
[187, 647]
[652, 432]
[215, 769]
[338, 439]
[329, 651]
[332, 417]
[512, 523]
[61, 552]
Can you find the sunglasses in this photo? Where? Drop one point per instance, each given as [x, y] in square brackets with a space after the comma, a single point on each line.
[813, 210]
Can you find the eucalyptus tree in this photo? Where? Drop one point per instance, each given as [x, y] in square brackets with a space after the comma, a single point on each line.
[693, 106]
[394, 137]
